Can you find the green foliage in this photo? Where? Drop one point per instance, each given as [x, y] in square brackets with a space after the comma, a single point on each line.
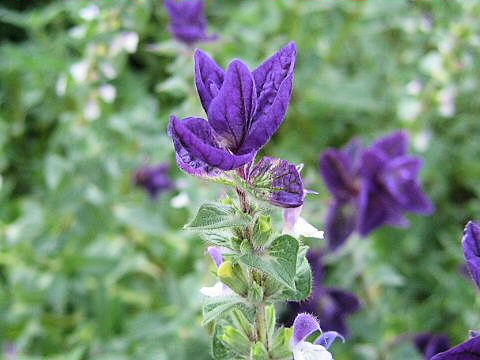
[213, 216]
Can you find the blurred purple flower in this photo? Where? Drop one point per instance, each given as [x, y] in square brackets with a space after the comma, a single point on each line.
[372, 187]
[187, 21]
[11, 351]
[331, 305]
[431, 344]
[469, 350]
[471, 250]
[244, 110]
[154, 179]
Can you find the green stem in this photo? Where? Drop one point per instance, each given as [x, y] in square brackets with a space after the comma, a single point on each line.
[262, 325]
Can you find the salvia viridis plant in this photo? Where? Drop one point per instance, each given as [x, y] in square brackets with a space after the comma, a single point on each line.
[470, 349]
[257, 265]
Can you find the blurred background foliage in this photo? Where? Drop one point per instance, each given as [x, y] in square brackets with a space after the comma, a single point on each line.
[90, 267]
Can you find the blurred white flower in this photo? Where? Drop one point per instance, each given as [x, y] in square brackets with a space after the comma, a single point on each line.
[181, 200]
[78, 32]
[126, 41]
[433, 64]
[90, 12]
[414, 87]
[108, 93]
[421, 141]
[61, 86]
[92, 110]
[108, 70]
[409, 110]
[79, 70]
[447, 98]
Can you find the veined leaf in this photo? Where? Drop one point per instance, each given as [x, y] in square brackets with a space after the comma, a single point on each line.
[213, 216]
[216, 307]
[280, 261]
[303, 278]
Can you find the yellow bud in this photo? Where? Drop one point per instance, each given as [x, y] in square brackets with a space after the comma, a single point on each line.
[225, 270]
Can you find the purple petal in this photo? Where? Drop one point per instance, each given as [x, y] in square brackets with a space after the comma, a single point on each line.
[274, 82]
[154, 179]
[431, 344]
[341, 222]
[377, 209]
[469, 350]
[187, 20]
[400, 177]
[208, 78]
[337, 172]
[197, 137]
[303, 326]
[393, 145]
[278, 182]
[232, 109]
[327, 339]
[216, 255]
[471, 250]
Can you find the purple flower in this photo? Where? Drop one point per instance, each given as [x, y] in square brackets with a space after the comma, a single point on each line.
[154, 179]
[305, 325]
[431, 344]
[244, 110]
[471, 250]
[372, 187]
[331, 305]
[469, 350]
[187, 20]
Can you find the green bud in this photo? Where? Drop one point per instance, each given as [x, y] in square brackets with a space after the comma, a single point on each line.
[255, 293]
[281, 344]
[259, 352]
[236, 340]
[262, 231]
[243, 323]
[246, 247]
[232, 275]
[271, 318]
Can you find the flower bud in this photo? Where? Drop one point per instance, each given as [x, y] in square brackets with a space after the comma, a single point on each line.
[232, 275]
[262, 231]
[236, 340]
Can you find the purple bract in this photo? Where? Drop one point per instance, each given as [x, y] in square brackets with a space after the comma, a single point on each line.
[471, 250]
[469, 350]
[431, 344]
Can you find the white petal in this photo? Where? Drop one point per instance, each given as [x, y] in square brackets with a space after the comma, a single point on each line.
[307, 351]
[304, 228]
[92, 110]
[90, 12]
[79, 70]
[130, 41]
[216, 290]
[108, 93]
[180, 201]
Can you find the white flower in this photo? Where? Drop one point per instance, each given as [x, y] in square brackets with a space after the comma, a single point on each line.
[108, 70]
[126, 41]
[180, 201]
[414, 87]
[79, 70]
[218, 289]
[90, 12]
[447, 99]
[78, 32]
[61, 86]
[307, 351]
[92, 110]
[108, 93]
[295, 225]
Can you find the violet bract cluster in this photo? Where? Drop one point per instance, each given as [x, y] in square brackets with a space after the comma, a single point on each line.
[470, 349]
[372, 187]
[257, 265]
[188, 22]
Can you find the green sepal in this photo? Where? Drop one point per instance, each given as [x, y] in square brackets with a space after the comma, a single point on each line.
[303, 278]
[233, 276]
[255, 293]
[259, 352]
[281, 349]
[212, 216]
[279, 261]
[271, 318]
[236, 340]
[219, 350]
[262, 231]
[243, 323]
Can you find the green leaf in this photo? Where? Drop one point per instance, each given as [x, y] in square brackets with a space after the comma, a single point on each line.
[303, 278]
[213, 216]
[281, 344]
[280, 261]
[219, 350]
[217, 307]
